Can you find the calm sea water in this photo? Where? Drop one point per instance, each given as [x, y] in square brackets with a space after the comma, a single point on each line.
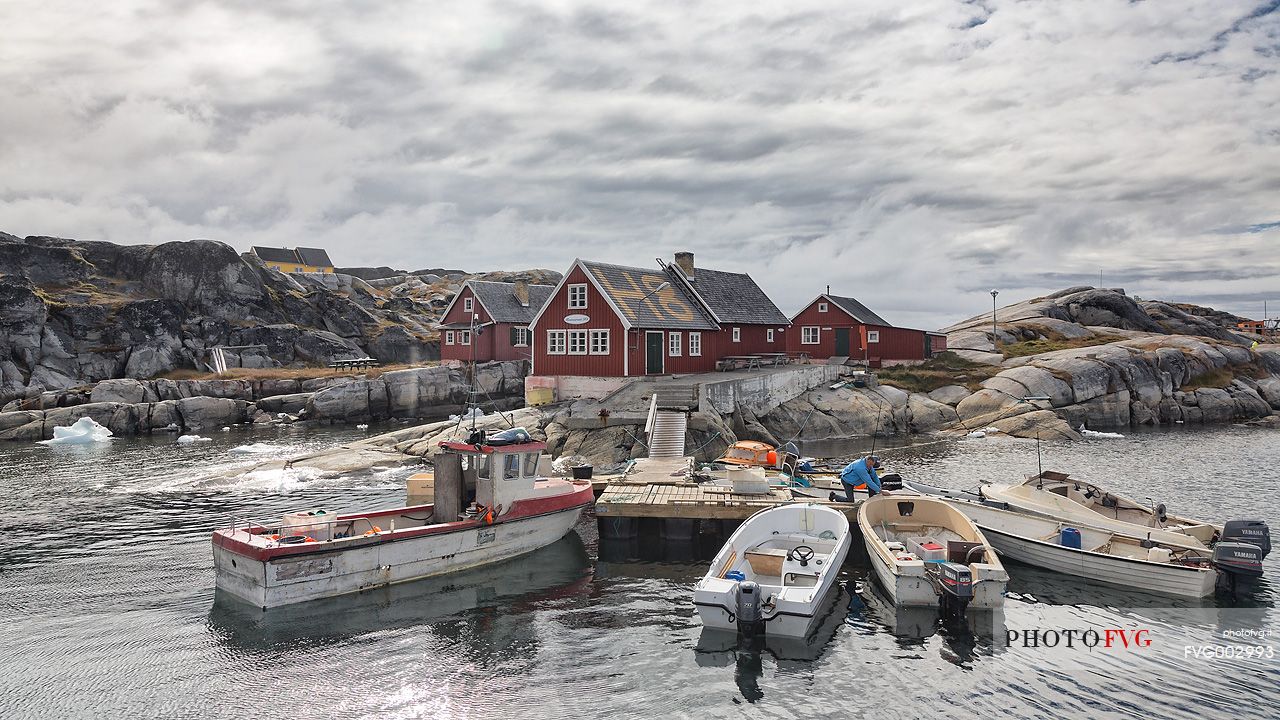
[108, 609]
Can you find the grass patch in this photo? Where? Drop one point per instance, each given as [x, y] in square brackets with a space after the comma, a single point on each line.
[1217, 378]
[1035, 347]
[945, 368]
[310, 373]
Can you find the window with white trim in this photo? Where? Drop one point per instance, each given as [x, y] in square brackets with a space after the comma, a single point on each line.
[599, 342]
[578, 296]
[555, 342]
[468, 304]
[810, 335]
[768, 335]
[520, 337]
[695, 344]
[448, 337]
[577, 342]
[873, 336]
[737, 334]
[673, 344]
[822, 307]
[464, 337]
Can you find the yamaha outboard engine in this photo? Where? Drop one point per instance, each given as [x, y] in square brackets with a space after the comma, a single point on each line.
[1239, 565]
[750, 620]
[954, 584]
[1254, 532]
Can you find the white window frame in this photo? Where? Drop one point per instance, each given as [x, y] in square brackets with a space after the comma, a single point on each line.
[580, 302]
[673, 344]
[768, 335]
[574, 336]
[557, 342]
[737, 334]
[464, 337]
[805, 337]
[598, 342]
[695, 344]
[448, 337]
[873, 336]
[523, 337]
[822, 307]
[468, 304]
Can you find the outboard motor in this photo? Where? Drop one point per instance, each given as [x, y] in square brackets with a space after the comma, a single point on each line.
[1254, 532]
[891, 481]
[954, 584]
[1239, 565]
[750, 620]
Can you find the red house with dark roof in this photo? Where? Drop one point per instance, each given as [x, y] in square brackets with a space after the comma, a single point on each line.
[609, 321]
[835, 326]
[490, 321]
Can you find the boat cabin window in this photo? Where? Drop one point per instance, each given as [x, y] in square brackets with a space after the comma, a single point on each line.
[530, 464]
[510, 467]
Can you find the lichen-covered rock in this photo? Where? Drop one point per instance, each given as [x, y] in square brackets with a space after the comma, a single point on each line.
[120, 390]
[950, 394]
[200, 413]
[928, 415]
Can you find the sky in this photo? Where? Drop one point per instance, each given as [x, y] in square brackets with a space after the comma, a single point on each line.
[914, 155]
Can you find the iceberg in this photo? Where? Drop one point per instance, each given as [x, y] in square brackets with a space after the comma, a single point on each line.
[188, 439]
[82, 432]
[254, 449]
[1086, 432]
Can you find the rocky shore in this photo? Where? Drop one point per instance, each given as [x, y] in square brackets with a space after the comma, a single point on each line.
[137, 407]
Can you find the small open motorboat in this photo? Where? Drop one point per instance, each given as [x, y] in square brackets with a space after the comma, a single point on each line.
[319, 554]
[775, 572]
[1059, 496]
[925, 552]
[1111, 557]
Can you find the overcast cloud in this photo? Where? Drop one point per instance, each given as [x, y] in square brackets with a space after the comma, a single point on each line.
[913, 154]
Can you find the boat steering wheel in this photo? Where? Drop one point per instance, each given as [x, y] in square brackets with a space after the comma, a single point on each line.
[803, 553]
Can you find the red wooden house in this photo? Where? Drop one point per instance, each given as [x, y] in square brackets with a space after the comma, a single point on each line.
[490, 321]
[834, 326]
[609, 321]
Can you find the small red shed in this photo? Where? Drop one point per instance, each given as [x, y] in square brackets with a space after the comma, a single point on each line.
[836, 326]
[490, 321]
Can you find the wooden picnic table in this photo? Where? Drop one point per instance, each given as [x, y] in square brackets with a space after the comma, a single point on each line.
[356, 363]
[749, 361]
[775, 358]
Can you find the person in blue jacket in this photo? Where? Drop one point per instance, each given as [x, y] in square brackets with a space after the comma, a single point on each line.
[858, 472]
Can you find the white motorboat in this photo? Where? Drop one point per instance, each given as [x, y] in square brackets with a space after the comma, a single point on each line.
[775, 572]
[1059, 496]
[324, 554]
[924, 552]
[1107, 556]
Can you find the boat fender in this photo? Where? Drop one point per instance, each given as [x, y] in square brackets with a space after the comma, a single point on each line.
[309, 539]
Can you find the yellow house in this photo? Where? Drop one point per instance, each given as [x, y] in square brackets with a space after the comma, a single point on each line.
[295, 260]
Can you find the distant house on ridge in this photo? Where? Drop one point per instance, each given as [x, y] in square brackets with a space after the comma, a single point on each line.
[295, 260]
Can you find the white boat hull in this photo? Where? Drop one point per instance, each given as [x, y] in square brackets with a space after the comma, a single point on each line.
[294, 579]
[1156, 577]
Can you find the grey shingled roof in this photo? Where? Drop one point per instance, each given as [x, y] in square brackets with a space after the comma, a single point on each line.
[314, 256]
[270, 254]
[672, 308]
[858, 311]
[735, 297]
[499, 299]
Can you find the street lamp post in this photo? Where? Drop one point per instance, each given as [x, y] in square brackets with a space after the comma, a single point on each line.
[995, 343]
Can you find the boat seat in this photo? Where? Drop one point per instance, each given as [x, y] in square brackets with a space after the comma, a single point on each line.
[766, 561]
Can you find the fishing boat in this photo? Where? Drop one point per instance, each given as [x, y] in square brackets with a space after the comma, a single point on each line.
[321, 553]
[1058, 495]
[1138, 561]
[775, 572]
[924, 552]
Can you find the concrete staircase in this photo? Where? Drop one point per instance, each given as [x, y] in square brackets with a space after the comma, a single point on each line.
[666, 439]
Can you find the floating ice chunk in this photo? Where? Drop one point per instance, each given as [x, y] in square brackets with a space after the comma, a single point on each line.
[226, 429]
[254, 449]
[362, 426]
[1097, 434]
[977, 434]
[474, 412]
[84, 431]
[188, 439]
[172, 427]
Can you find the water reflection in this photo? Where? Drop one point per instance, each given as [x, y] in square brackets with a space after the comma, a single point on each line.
[479, 598]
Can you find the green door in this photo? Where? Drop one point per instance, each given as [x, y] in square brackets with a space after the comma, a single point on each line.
[842, 342]
[653, 347]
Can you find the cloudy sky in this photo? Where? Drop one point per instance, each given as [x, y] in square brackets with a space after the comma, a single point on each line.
[913, 154]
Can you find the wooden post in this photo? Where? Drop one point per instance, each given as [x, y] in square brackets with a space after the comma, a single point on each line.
[448, 488]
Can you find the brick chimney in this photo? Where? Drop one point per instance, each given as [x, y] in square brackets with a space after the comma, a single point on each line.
[685, 261]
[522, 292]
